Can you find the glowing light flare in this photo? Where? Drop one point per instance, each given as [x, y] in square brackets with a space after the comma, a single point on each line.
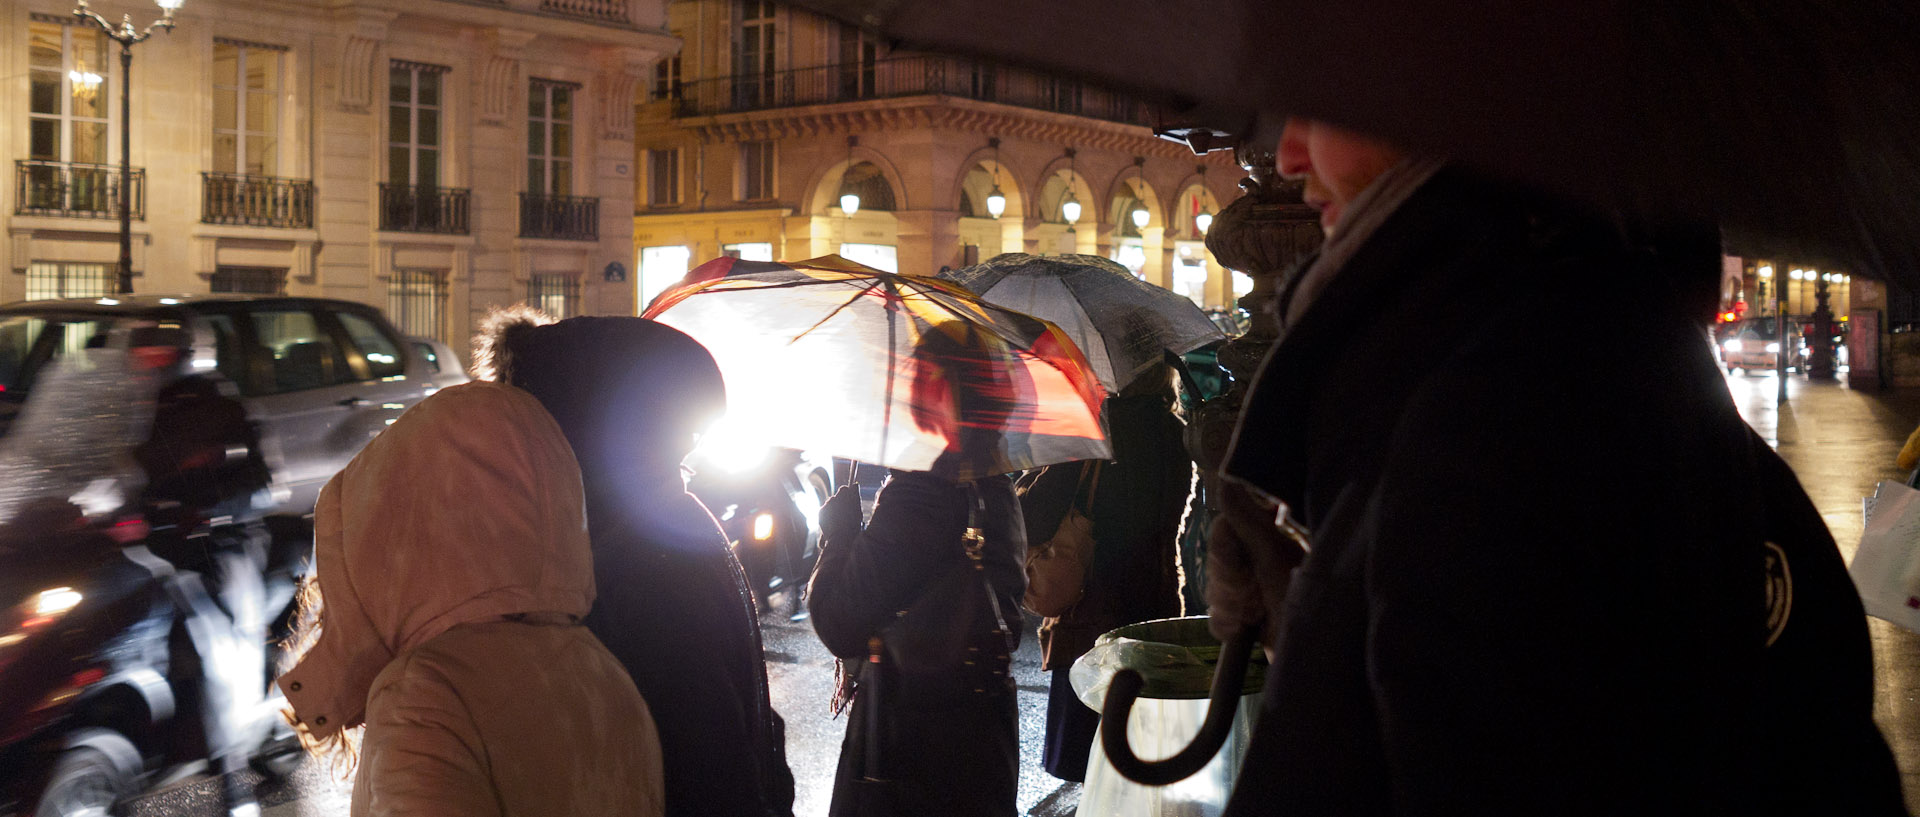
[762, 526]
[1203, 222]
[1140, 217]
[1070, 209]
[849, 203]
[1766, 272]
[996, 202]
[56, 601]
[87, 80]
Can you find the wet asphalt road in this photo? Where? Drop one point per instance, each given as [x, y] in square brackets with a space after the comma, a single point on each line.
[1839, 441]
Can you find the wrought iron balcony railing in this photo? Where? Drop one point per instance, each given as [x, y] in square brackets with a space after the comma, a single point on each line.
[575, 218]
[258, 201]
[424, 208]
[906, 76]
[74, 189]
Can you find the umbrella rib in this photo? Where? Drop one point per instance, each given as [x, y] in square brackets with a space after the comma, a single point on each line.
[836, 311]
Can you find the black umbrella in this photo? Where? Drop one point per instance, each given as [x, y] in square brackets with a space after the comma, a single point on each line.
[1790, 122]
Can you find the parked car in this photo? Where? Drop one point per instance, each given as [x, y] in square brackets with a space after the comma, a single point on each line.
[443, 365]
[1754, 345]
[321, 377]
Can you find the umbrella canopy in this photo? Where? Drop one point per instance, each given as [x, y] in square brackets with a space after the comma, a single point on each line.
[904, 371]
[1123, 324]
[1789, 122]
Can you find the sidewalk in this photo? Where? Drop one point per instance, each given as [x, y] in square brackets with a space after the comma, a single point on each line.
[1841, 443]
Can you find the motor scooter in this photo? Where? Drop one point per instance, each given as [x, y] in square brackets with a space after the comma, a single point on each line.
[104, 667]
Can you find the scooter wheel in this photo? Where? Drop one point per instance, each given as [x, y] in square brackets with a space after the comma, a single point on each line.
[84, 783]
[279, 758]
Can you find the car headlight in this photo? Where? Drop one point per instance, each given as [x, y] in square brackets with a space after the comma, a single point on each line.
[731, 447]
[1773, 348]
[1731, 345]
[762, 526]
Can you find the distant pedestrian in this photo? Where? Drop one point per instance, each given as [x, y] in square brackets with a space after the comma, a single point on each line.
[632, 397]
[453, 573]
[1527, 588]
[1135, 504]
[1909, 459]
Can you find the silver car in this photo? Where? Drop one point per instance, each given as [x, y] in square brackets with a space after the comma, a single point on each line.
[321, 377]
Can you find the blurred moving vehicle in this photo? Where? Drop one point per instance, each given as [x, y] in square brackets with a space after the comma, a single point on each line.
[321, 377]
[137, 630]
[1754, 345]
[767, 500]
[103, 694]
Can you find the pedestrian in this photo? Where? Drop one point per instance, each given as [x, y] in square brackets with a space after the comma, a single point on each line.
[453, 571]
[921, 606]
[632, 397]
[925, 627]
[1909, 458]
[1533, 582]
[1132, 573]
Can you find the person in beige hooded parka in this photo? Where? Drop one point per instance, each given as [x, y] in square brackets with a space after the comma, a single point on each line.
[455, 566]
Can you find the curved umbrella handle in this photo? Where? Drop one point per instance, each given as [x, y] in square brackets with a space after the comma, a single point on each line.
[1228, 678]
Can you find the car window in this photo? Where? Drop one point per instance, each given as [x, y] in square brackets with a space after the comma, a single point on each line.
[432, 357]
[28, 344]
[383, 357]
[226, 349]
[304, 356]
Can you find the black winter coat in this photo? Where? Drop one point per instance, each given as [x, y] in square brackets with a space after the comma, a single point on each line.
[1136, 510]
[1545, 567]
[674, 607]
[948, 738]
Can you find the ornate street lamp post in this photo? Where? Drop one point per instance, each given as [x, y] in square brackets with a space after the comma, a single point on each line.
[126, 35]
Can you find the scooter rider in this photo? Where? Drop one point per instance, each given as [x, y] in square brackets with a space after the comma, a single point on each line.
[203, 468]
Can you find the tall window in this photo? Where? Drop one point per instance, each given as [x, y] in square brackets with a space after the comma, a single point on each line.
[67, 114]
[550, 137]
[413, 124]
[859, 56]
[417, 302]
[57, 280]
[246, 113]
[556, 295]
[663, 177]
[754, 53]
[666, 75]
[756, 171]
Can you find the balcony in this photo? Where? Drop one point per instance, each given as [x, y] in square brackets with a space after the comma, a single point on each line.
[255, 201]
[412, 208]
[74, 189]
[573, 218]
[906, 76]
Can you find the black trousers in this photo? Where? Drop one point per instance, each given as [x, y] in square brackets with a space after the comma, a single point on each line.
[1070, 728]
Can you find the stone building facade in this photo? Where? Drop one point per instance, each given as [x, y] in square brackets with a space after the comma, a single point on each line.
[748, 140]
[429, 157]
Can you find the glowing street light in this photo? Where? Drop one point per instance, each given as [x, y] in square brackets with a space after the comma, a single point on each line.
[126, 35]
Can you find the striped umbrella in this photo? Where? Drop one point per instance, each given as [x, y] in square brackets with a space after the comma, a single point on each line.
[905, 371]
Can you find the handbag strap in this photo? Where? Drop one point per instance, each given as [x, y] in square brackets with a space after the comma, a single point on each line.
[975, 541]
[1089, 484]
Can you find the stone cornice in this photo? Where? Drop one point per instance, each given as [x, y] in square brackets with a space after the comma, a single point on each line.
[941, 113]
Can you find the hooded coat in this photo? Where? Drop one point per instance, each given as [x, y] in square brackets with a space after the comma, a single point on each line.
[454, 563]
[1541, 582]
[675, 607]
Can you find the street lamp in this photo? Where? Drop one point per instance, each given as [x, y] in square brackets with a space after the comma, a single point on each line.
[1070, 207]
[996, 200]
[1203, 221]
[126, 35]
[849, 199]
[1140, 215]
